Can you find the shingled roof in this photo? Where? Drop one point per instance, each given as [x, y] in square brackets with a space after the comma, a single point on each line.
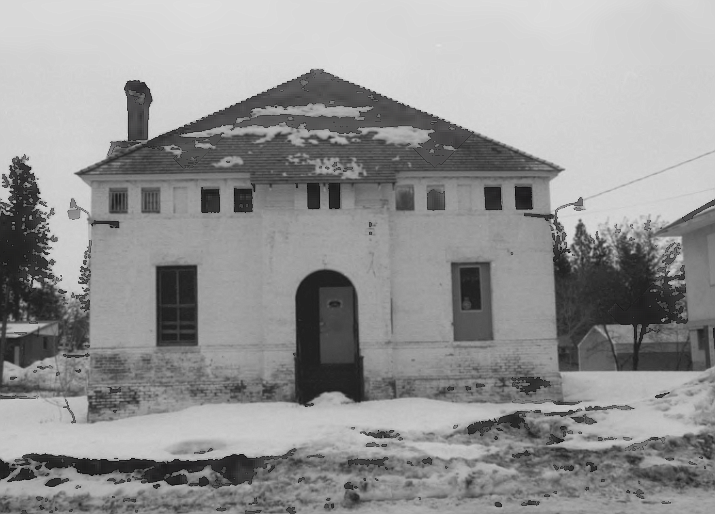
[319, 125]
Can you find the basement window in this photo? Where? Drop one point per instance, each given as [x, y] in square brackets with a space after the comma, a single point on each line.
[150, 199]
[523, 198]
[313, 196]
[210, 200]
[118, 200]
[405, 198]
[176, 305]
[334, 196]
[492, 198]
[435, 198]
[242, 200]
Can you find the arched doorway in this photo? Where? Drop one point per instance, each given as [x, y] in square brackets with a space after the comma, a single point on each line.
[327, 354]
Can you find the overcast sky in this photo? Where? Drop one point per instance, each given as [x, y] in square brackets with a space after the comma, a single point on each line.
[611, 91]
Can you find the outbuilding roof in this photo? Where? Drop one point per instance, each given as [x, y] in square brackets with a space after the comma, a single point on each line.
[319, 125]
[17, 330]
[622, 335]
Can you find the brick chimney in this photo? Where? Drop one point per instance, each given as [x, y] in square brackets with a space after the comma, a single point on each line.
[138, 102]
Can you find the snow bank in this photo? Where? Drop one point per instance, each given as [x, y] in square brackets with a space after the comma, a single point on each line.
[12, 374]
[612, 386]
[69, 373]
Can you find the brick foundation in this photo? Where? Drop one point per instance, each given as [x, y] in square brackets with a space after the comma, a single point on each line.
[136, 382]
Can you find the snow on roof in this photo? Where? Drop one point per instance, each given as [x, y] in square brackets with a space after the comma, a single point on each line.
[227, 162]
[402, 135]
[16, 330]
[330, 166]
[314, 110]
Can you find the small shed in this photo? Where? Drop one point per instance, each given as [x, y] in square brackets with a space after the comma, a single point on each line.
[664, 348]
[30, 342]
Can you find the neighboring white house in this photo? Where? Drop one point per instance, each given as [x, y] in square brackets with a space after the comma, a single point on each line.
[697, 230]
[317, 237]
[664, 348]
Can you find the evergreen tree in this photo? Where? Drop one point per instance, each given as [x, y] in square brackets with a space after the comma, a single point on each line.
[24, 243]
[582, 248]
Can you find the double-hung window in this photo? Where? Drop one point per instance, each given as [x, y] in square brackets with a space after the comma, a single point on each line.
[176, 305]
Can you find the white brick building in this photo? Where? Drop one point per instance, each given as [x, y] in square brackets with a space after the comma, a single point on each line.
[317, 237]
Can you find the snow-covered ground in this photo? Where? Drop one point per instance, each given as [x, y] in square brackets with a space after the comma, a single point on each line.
[407, 454]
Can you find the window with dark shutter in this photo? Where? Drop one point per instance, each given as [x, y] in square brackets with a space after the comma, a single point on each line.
[176, 306]
[313, 196]
[150, 199]
[492, 198]
[435, 198]
[210, 200]
[405, 198]
[118, 200]
[523, 197]
[334, 196]
[242, 200]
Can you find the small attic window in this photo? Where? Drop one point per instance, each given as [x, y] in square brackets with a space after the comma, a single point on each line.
[523, 197]
[492, 198]
[242, 200]
[405, 198]
[210, 200]
[334, 195]
[313, 196]
[151, 199]
[118, 200]
[435, 198]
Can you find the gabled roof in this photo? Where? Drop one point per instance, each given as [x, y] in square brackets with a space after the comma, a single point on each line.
[17, 330]
[319, 125]
[622, 335]
[699, 218]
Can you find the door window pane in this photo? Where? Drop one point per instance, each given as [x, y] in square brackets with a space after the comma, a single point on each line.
[187, 293]
[470, 289]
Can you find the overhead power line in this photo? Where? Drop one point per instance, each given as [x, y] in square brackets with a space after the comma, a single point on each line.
[587, 211]
[652, 174]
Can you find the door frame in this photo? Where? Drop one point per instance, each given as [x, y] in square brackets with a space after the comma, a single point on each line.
[307, 333]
